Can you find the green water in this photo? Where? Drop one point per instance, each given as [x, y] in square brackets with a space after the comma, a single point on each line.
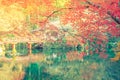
[73, 70]
[92, 67]
[58, 67]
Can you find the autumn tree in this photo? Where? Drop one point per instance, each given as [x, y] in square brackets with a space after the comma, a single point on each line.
[91, 21]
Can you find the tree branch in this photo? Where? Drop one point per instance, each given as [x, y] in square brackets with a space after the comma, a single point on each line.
[117, 20]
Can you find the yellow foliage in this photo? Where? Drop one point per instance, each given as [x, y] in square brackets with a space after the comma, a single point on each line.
[14, 51]
[60, 3]
[11, 17]
[116, 58]
[118, 47]
[43, 8]
[117, 55]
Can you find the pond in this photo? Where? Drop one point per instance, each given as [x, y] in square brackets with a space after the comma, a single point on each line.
[60, 64]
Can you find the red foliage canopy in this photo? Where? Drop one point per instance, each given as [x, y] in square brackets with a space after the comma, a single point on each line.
[91, 19]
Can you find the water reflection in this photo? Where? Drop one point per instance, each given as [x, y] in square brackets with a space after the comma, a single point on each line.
[61, 64]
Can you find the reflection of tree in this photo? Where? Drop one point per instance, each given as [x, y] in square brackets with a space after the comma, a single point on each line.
[75, 55]
[113, 70]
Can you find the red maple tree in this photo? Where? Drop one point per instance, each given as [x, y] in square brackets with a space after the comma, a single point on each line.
[92, 20]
